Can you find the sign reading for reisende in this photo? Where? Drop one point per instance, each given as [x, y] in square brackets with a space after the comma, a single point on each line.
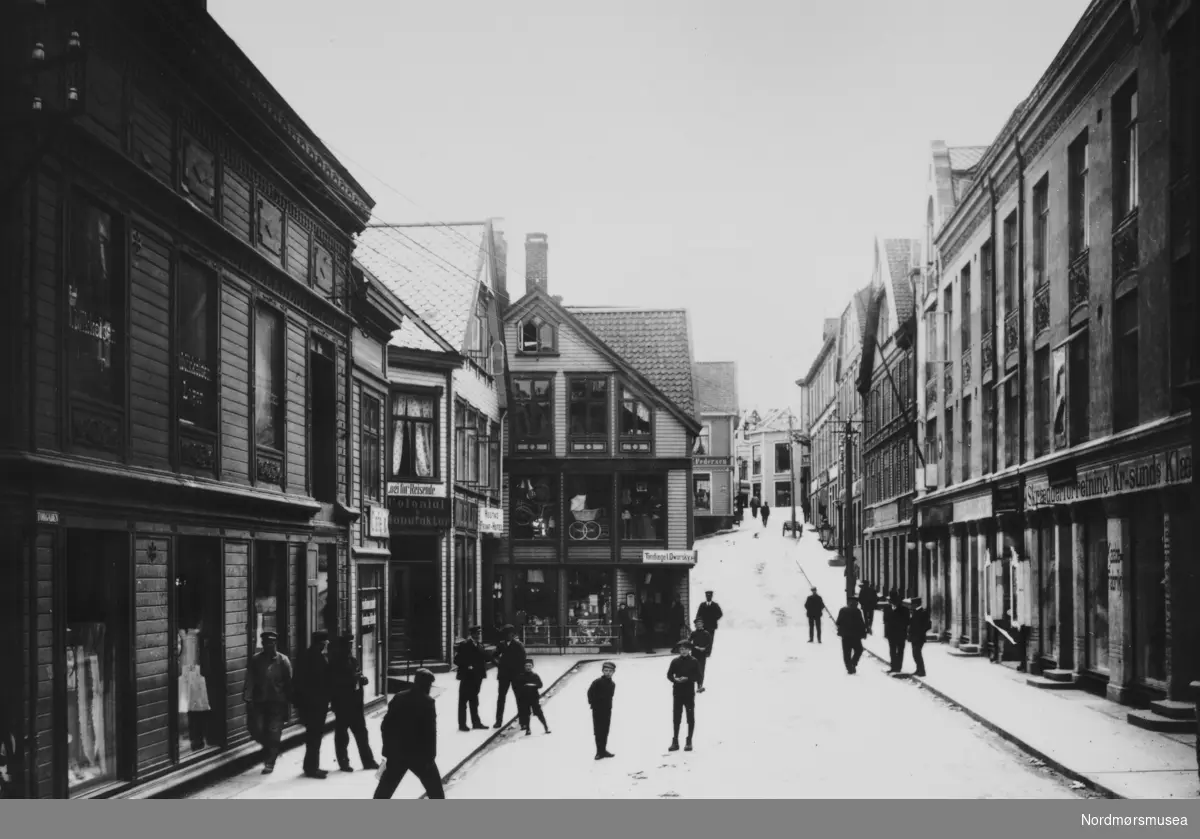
[405, 489]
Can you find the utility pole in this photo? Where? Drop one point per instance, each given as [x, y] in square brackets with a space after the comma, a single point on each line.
[848, 509]
[792, 464]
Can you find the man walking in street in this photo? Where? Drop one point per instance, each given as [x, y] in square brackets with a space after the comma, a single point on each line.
[701, 641]
[600, 697]
[710, 613]
[683, 674]
[510, 664]
[919, 625]
[348, 682]
[814, 608]
[267, 692]
[868, 596]
[754, 504]
[852, 630]
[470, 662]
[895, 630]
[313, 697]
[410, 739]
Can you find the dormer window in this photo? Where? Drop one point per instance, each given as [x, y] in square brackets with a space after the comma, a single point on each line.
[479, 343]
[537, 336]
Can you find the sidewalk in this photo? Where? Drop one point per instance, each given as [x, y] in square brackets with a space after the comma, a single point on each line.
[1079, 734]
[454, 746]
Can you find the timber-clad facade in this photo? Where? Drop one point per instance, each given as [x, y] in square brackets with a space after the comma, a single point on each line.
[176, 445]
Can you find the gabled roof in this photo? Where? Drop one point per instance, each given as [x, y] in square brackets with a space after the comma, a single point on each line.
[655, 341]
[716, 387]
[775, 419]
[902, 257]
[653, 346]
[414, 333]
[437, 269]
[965, 158]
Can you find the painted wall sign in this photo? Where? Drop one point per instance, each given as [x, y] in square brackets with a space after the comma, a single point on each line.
[408, 490]
[47, 516]
[970, 509]
[377, 521]
[418, 512]
[669, 557]
[937, 515]
[887, 514]
[491, 520]
[1161, 469]
[709, 462]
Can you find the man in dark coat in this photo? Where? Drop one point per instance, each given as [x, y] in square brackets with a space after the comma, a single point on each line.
[701, 641]
[314, 693]
[600, 698]
[470, 662]
[919, 625]
[628, 631]
[754, 504]
[852, 630]
[348, 682]
[814, 608]
[895, 630]
[510, 665]
[710, 612]
[684, 674]
[410, 739]
[267, 692]
[868, 598]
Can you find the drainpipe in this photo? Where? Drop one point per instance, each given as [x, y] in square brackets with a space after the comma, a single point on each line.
[1020, 288]
[992, 447]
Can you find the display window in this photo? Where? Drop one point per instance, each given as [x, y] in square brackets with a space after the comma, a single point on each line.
[535, 506]
[198, 610]
[643, 505]
[270, 593]
[370, 635]
[589, 508]
[535, 604]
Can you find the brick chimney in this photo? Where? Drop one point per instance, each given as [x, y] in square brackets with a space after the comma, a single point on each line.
[537, 249]
[500, 249]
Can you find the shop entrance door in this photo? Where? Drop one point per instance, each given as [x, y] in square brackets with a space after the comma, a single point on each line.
[1066, 597]
[415, 631]
[949, 596]
[1149, 593]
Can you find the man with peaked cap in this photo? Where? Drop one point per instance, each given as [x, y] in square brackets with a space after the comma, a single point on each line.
[470, 662]
[710, 612]
[267, 691]
[510, 667]
[814, 609]
[313, 695]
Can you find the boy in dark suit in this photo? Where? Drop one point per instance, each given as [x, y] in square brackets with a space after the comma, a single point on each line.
[529, 702]
[600, 697]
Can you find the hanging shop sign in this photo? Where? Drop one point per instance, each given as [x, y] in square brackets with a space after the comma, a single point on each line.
[669, 557]
[418, 512]
[1161, 469]
[405, 489]
[710, 462]
[377, 521]
[491, 520]
[47, 516]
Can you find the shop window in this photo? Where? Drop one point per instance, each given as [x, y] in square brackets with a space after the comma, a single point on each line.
[538, 337]
[637, 427]
[322, 413]
[535, 603]
[414, 436]
[465, 583]
[96, 303]
[370, 634]
[372, 454]
[589, 508]
[1096, 586]
[783, 495]
[704, 441]
[96, 584]
[783, 457]
[197, 303]
[535, 507]
[644, 508]
[533, 414]
[702, 492]
[268, 378]
[270, 593]
[756, 459]
[589, 605]
[199, 594]
[587, 413]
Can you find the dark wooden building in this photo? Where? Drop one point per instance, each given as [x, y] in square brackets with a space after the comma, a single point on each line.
[176, 254]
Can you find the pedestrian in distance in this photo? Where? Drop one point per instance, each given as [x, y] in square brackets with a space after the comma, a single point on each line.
[649, 614]
[510, 665]
[347, 695]
[814, 608]
[313, 696]
[766, 513]
[701, 641]
[267, 692]
[851, 629]
[868, 597]
[410, 739]
[600, 697]
[710, 613]
[684, 674]
[754, 505]
[628, 629]
[470, 662]
[529, 698]
[919, 625]
[895, 630]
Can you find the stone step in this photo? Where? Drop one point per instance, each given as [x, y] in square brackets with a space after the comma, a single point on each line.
[932, 636]
[1174, 710]
[1059, 675]
[973, 649]
[1157, 722]
[959, 653]
[1050, 684]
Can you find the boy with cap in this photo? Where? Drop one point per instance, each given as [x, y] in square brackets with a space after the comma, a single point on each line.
[683, 674]
[267, 691]
[600, 697]
[529, 702]
[701, 641]
[710, 612]
[471, 661]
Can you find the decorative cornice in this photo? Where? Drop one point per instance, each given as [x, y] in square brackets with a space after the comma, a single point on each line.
[964, 233]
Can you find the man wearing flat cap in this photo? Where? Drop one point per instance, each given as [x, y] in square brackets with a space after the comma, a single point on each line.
[510, 668]
[470, 662]
[267, 691]
[314, 693]
[710, 612]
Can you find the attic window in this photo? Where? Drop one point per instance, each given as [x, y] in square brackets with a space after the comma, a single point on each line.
[537, 336]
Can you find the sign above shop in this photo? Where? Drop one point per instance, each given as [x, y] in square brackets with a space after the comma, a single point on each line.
[47, 516]
[418, 512]
[1155, 471]
[377, 521]
[669, 557]
[970, 509]
[887, 514]
[491, 520]
[402, 489]
[936, 515]
[709, 462]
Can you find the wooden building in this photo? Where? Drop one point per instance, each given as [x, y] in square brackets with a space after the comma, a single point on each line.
[174, 438]
[598, 487]
[714, 491]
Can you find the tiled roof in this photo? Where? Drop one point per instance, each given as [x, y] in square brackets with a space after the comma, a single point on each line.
[900, 260]
[411, 337]
[655, 342]
[862, 299]
[716, 387]
[434, 268]
[963, 158]
[775, 419]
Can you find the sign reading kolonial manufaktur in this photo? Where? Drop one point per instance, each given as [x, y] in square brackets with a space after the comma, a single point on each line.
[418, 512]
[1161, 469]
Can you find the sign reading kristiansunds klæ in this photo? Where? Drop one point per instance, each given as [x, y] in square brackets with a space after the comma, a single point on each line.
[1161, 469]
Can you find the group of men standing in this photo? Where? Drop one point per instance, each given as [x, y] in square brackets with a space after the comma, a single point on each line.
[903, 621]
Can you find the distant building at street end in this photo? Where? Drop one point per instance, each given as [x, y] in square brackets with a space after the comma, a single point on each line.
[714, 488]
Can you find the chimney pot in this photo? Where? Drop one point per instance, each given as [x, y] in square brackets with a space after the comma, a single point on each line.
[537, 249]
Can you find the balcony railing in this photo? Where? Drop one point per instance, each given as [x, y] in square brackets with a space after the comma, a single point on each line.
[930, 392]
[1079, 283]
[1011, 332]
[948, 383]
[1041, 309]
[966, 367]
[989, 351]
[1125, 247]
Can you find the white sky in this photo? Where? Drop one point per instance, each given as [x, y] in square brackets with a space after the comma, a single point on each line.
[736, 158]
